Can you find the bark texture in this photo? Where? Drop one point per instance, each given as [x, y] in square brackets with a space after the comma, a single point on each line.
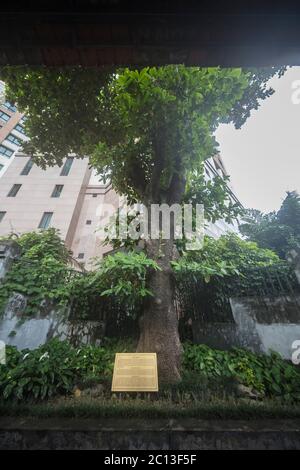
[159, 323]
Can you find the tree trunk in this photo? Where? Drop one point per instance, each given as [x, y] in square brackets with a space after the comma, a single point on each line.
[159, 323]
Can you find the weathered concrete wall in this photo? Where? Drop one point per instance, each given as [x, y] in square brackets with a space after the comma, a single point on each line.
[215, 334]
[260, 324]
[148, 434]
[273, 323]
[16, 330]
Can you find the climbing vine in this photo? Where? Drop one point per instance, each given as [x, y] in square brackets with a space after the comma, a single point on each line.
[39, 273]
[118, 283]
[205, 279]
[43, 274]
[229, 267]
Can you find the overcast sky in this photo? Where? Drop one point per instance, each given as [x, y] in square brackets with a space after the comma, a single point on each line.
[263, 158]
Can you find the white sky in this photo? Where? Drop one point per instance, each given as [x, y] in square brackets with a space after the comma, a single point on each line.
[263, 157]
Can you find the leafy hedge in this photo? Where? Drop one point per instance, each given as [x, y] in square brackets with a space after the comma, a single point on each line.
[117, 280]
[56, 367]
[229, 267]
[52, 369]
[41, 271]
[117, 285]
[268, 374]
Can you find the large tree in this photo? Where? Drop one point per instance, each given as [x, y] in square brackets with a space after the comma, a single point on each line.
[149, 130]
[278, 231]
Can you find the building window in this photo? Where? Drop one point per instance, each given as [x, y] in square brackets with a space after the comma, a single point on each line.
[1, 166]
[57, 190]
[95, 195]
[27, 167]
[13, 139]
[45, 220]
[20, 129]
[9, 106]
[14, 190]
[88, 222]
[80, 255]
[67, 166]
[2, 214]
[5, 117]
[5, 151]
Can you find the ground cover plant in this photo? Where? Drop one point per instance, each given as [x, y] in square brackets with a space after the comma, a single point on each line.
[59, 369]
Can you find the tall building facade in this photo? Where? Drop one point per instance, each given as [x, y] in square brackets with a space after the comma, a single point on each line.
[12, 133]
[67, 198]
[32, 198]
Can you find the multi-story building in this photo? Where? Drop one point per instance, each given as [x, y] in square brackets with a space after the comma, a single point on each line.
[67, 198]
[32, 198]
[12, 133]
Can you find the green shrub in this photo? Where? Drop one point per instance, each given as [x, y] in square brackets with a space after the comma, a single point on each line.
[118, 280]
[51, 369]
[227, 255]
[37, 374]
[56, 367]
[41, 271]
[235, 251]
[269, 375]
[124, 276]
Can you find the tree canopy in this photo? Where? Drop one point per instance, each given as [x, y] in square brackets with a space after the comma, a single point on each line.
[141, 127]
[278, 231]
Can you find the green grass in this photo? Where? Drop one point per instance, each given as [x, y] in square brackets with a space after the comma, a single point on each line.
[140, 408]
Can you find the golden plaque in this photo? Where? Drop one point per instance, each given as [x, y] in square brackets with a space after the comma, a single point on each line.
[135, 372]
